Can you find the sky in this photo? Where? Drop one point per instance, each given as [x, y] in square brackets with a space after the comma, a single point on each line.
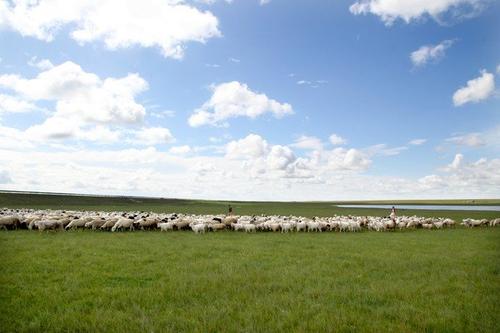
[251, 99]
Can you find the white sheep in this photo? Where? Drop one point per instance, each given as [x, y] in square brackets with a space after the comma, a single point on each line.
[123, 223]
[166, 226]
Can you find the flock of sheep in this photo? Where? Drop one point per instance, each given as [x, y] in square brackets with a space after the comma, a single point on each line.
[117, 221]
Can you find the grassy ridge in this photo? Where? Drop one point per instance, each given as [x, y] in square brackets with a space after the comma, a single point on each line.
[73, 202]
[441, 280]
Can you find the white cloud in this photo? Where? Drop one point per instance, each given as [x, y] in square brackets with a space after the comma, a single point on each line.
[81, 94]
[337, 140]
[470, 140]
[477, 89]
[428, 53]
[308, 142]
[153, 136]
[43, 64]
[180, 150]
[81, 99]
[498, 69]
[86, 107]
[15, 104]
[383, 150]
[252, 146]
[264, 2]
[412, 10]
[166, 24]
[417, 142]
[272, 172]
[348, 160]
[457, 161]
[431, 182]
[235, 99]
[280, 157]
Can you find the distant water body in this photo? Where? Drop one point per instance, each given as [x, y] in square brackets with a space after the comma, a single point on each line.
[427, 207]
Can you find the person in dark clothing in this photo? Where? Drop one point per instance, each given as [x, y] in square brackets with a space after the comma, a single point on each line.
[230, 209]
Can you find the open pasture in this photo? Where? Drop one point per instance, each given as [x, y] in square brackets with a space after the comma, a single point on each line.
[151, 281]
[424, 280]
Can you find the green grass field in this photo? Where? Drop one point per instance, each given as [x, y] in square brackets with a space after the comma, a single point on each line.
[404, 281]
[433, 281]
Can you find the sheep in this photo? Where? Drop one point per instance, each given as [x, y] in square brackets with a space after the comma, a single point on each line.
[237, 226]
[9, 221]
[354, 226]
[344, 226]
[199, 228]
[182, 224]
[229, 220]
[123, 223]
[494, 222]
[109, 224]
[313, 226]
[77, 223]
[217, 226]
[286, 227]
[166, 226]
[49, 224]
[96, 223]
[250, 227]
[301, 226]
[148, 223]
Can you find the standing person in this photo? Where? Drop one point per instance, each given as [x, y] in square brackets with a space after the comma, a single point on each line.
[393, 213]
[230, 209]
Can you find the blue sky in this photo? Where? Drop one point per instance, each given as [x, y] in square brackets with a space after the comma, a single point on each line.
[95, 100]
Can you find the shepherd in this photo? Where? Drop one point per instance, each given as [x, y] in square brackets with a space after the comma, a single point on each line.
[393, 213]
[230, 209]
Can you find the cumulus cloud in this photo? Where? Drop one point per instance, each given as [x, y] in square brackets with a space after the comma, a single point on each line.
[457, 161]
[308, 142]
[15, 104]
[252, 146]
[235, 99]
[429, 53]
[165, 24]
[337, 140]
[42, 64]
[153, 136]
[86, 107]
[82, 100]
[82, 94]
[477, 90]
[348, 160]
[413, 10]
[271, 172]
[180, 150]
[417, 142]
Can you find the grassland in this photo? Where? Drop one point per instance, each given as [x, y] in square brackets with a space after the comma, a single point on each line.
[404, 281]
[433, 281]
[75, 202]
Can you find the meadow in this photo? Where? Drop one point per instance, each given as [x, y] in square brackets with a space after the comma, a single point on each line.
[147, 281]
[424, 280]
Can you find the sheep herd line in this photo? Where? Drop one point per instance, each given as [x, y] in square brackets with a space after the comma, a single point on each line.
[119, 221]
